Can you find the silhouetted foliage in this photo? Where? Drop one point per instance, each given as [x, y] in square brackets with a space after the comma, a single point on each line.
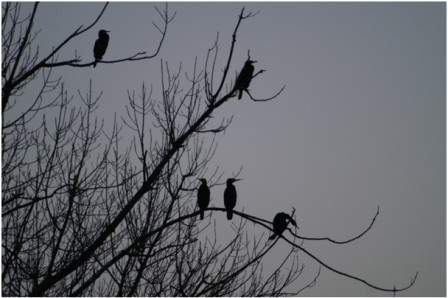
[84, 214]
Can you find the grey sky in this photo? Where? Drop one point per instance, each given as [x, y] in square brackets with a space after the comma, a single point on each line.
[360, 124]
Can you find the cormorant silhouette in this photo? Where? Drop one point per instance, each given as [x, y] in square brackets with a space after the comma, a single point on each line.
[203, 197]
[230, 197]
[100, 46]
[280, 223]
[245, 77]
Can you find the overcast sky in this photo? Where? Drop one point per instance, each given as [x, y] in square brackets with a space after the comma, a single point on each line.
[361, 122]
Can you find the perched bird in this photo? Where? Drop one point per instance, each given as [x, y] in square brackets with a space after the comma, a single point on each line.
[100, 46]
[203, 197]
[245, 76]
[280, 223]
[230, 197]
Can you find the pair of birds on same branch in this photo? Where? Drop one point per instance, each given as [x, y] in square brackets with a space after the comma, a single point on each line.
[279, 223]
[229, 197]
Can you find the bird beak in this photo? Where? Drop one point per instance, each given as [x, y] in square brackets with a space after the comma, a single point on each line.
[238, 180]
[254, 61]
[293, 222]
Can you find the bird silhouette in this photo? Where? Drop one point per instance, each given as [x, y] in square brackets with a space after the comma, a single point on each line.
[230, 197]
[100, 46]
[203, 197]
[280, 223]
[245, 77]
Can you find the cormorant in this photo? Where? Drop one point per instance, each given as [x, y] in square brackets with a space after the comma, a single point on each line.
[100, 46]
[245, 77]
[230, 197]
[203, 197]
[280, 223]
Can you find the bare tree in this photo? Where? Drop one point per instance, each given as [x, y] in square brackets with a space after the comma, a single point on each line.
[85, 214]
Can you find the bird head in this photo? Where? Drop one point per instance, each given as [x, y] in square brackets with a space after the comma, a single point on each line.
[250, 62]
[293, 222]
[204, 181]
[232, 180]
[286, 216]
[102, 33]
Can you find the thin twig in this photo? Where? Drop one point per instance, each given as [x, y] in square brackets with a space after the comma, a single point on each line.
[266, 99]
[345, 241]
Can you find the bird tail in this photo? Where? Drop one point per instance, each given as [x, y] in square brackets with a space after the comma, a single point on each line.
[94, 64]
[229, 215]
[202, 215]
[272, 237]
[241, 94]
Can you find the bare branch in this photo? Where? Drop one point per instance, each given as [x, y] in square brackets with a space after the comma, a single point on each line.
[346, 241]
[266, 99]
